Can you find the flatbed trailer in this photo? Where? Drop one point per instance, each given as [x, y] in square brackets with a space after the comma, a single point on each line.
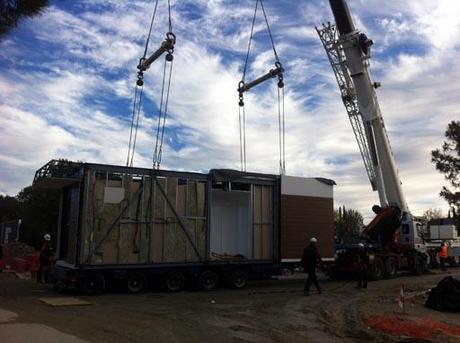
[137, 228]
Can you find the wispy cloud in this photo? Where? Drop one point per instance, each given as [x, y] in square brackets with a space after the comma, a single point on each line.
[67, 81]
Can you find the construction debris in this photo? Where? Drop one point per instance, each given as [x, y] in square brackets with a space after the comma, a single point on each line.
[64, 301]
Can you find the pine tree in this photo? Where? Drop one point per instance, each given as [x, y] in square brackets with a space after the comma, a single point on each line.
[447, 161]
[11, 11]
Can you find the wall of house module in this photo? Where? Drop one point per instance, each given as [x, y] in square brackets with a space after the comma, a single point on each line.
[262, 216]
[147, 230]
[71, 222]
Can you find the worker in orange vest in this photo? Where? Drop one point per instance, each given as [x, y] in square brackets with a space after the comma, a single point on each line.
[443, 255]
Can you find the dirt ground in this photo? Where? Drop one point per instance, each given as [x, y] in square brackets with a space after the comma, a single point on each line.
[268, 311]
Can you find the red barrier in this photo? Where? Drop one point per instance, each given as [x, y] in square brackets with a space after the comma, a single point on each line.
[34, 261]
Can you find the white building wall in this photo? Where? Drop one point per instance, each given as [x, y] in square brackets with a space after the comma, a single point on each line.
[302, 186]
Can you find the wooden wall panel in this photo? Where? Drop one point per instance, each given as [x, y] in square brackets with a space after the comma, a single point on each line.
[303, 218]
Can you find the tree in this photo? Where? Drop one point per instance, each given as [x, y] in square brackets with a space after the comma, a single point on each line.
[447, 161]
[347, 223]
[9, 208]
[12, 11]
[432, 213]
[39, 213]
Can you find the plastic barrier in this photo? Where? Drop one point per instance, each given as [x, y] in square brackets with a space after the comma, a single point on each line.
[20, 265]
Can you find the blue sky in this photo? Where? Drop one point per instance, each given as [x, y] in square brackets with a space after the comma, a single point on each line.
[67, 81]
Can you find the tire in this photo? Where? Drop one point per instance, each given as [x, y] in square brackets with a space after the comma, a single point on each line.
[59, 286]
[237, 279]
[453, 261]
[208, 280]
[377, 270]
[92, 284]
[173, 282]
[433, 261]
[418, 265]
[391, 268]
[136, 283]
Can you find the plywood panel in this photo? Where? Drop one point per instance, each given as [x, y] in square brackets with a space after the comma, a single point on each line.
[170, 242]
[266, 241]
[201, 199]
[192, 199]
[262, 222]
[126, 244]
[181, 201]
[266, 204]
[171, 189]
[110, 252]
[190, 252]
[158, 243]
[257, 239]
[257, 211]
[160, 203]
[201, 236]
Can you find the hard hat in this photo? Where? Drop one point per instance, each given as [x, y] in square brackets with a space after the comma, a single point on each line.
[47, 237]
[313, 240]
[361, 245]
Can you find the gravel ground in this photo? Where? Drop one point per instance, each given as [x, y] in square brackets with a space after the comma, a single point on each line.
[268, 311]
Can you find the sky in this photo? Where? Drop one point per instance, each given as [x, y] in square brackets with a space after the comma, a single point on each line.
[67, 83]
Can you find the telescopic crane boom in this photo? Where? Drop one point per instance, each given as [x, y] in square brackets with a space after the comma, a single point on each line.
[349, 54]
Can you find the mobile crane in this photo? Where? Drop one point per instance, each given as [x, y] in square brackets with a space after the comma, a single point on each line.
[394, 239]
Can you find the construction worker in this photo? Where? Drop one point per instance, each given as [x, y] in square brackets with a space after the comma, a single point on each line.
[46, 253]
[363, 261]
[443, 255]
[310, 260]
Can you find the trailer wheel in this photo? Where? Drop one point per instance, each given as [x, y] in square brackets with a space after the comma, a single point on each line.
[59, 286]
[136, 283]
[433, 259]
[237, 279]
[391, 268]
[377, 269]
[92, 284]
[418, 265]
[453, 261]
[208, 280]
[173, 281]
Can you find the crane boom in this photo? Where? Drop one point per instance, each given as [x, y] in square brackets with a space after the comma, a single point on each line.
[348, 51]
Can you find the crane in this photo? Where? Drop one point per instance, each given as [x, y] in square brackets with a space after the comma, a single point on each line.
[349, 52]
[393, 229]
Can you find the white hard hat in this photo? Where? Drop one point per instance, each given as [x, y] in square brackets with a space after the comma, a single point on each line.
[47, 237]
[361, 245]
[313, 240]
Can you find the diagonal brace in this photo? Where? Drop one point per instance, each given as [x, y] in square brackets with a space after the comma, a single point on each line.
[181, 223]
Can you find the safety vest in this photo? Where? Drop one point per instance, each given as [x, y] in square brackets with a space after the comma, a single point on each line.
[443, 252]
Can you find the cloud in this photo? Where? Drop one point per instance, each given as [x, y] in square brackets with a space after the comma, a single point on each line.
[68, 91]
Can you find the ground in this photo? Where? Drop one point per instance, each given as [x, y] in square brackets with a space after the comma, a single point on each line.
[266, 311]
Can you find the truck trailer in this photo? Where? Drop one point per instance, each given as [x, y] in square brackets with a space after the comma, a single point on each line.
[137, 228]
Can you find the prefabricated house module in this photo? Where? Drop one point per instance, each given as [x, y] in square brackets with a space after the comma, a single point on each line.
[140, 227]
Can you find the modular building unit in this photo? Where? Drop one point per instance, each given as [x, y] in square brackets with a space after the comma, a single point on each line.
[143, 225]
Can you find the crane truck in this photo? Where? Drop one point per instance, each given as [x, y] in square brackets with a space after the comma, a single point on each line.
[393, 238]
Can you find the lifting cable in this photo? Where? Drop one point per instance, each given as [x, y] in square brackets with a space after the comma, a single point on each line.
[244, 87]
[167, 46]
